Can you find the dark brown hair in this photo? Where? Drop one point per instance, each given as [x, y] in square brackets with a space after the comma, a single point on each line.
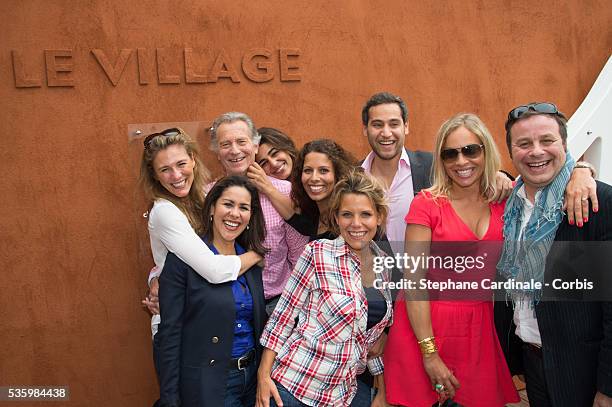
[251, 238]
[342, 162]
[278, 140]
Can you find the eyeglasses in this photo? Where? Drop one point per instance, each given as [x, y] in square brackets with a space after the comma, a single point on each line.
[469, 151]
[166, 133]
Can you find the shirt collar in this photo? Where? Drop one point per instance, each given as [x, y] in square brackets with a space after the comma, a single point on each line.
[521, 193]
[367, 162]
[341, 248]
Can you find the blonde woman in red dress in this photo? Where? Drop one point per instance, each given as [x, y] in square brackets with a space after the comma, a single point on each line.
[448, 348]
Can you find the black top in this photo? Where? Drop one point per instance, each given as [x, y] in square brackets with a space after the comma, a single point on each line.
[377, 306]
[305, 225]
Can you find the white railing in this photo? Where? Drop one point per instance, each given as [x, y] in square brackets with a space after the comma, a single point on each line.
[590, 127]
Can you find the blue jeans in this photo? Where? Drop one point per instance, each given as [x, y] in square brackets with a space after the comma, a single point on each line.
[363, 398]
[241, 387]
[364, 395]
[286, 397]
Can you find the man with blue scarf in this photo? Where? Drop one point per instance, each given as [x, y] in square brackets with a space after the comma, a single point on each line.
[564, 347]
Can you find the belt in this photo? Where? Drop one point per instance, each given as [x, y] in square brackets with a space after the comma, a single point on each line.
[243, 361]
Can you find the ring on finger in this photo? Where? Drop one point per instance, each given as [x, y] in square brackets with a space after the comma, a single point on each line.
[439, 387]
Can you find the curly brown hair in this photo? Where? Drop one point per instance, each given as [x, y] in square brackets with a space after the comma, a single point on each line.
[342, 161]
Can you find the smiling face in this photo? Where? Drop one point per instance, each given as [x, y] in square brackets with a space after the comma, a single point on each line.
[538, 152]
[318, 176]
[357, 220]
[231, 215]
[464, 172]
[276, 163]
[386, 130]
[174, 170]
[235, 149]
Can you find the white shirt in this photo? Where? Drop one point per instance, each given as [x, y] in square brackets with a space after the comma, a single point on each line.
[399, 198]
[524, 316]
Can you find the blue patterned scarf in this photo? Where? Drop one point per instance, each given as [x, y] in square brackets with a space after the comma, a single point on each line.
[524, 257]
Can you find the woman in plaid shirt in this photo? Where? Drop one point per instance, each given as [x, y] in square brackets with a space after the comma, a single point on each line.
[316, 361]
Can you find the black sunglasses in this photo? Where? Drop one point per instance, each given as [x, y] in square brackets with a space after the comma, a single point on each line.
[469, 151]
[539, 107]
[165, 133]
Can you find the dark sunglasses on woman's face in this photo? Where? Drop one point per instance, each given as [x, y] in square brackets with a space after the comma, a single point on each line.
[469, 151]
[166, 133]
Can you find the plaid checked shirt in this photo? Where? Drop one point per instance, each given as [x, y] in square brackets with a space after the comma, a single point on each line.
[318, 361]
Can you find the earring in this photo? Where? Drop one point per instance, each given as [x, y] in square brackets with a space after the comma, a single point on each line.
[247, 228]
[211, 218]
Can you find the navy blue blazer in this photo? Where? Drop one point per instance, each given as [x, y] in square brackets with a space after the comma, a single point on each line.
[196, 334]
[576, 335]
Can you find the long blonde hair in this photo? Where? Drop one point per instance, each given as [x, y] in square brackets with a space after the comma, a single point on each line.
[441, 181]
[192, 204]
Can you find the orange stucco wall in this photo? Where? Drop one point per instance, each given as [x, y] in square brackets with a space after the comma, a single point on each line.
[74, 250]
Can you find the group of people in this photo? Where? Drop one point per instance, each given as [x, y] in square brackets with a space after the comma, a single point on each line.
[268, 294]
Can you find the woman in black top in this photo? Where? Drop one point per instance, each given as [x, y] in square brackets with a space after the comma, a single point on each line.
[317, 168]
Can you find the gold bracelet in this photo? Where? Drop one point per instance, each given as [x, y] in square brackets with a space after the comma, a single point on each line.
[428, 345]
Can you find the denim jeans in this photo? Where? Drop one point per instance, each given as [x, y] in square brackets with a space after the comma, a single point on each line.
[286, 397]
[241, 387]
[363, 398]
[364, 395]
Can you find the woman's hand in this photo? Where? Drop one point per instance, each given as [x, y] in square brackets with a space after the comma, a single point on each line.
[151, 301]
[259, 178]
[440, 374]
[266, 388]
[580, 188]
[380, 400]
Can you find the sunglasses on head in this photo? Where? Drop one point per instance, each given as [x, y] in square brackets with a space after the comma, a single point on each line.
[469, 151]
[538, 107]
[165, 133]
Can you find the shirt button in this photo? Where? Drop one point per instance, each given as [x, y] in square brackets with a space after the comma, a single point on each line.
[239, 325]
[215, 339]
[212, 362]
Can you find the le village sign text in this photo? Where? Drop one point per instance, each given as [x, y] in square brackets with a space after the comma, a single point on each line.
[159, 66]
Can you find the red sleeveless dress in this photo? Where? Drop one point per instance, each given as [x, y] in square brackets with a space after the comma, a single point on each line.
[462, 322]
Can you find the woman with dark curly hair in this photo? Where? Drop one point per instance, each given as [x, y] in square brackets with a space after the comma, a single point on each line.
[317, 168]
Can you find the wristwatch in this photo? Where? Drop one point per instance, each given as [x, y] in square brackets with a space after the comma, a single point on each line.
[585, 164]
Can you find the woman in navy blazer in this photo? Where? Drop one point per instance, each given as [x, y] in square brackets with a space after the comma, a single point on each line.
[209, 336]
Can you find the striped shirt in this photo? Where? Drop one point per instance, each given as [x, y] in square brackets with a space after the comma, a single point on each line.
[318, 359]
